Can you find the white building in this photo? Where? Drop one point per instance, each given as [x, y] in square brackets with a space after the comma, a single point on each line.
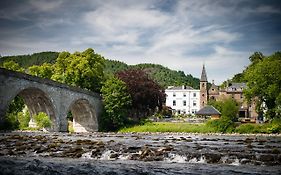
[183, 99]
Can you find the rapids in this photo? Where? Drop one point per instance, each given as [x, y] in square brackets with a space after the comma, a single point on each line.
[138, 153]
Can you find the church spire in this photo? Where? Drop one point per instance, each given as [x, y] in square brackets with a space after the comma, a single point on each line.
[203, 75]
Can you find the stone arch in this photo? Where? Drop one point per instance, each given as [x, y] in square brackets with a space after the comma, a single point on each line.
[84, 116]
[37, 101]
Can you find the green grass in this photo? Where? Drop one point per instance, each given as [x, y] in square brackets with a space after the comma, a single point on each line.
[268, 128]
[169, 127]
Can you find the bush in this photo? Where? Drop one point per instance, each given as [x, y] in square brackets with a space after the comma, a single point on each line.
[224, 124]
[42, 120]
[10, 122]
[274, 126]
[250, 128]
[23, 118]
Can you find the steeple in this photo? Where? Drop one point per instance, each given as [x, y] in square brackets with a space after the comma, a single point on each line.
[203, 75]
[203, 88]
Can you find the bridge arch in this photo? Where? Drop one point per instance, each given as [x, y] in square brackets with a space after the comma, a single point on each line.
[84, 115]
[36, 101]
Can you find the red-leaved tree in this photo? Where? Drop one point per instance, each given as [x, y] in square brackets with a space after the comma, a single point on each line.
[147, 95]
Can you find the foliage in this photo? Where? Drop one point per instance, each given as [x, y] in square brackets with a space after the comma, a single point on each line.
[84, 69]
[160, 74]
[113, 66]
[26, 61]
[224, 125]
[116, 101]
[274, 126]
[44, 71]
[264, 82]
[166, 77]
[23, 118]
[10, 122]
[147, 96]
[250, 128]
[42, 120]
[11, 65]
[227, 107]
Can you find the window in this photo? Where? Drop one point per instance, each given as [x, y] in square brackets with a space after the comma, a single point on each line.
[184, 102]
[203, 95]
[194, 111]
[184, 94]
[174, 103]
[194, 94]
[174, 94]
[203, 84]
[194, 103]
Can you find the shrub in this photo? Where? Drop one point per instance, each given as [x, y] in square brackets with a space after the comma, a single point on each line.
[274, 126]
[23, 118]
[250, 128]
[42, 120]
[224, 124]
[10, 122]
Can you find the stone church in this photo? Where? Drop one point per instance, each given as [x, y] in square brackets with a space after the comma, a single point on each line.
[247, 112]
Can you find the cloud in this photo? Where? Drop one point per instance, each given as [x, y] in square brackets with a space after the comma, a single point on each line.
[181, 35]
[45, 5]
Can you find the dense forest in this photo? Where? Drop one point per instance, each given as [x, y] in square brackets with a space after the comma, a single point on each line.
[162, 75]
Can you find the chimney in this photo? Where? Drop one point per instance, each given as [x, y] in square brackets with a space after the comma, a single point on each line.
[183, 87]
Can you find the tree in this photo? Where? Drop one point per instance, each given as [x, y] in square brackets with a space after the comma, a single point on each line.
[116, 101]
[147, 96]
[42, 120]
[44, 71]
[84, 69]
[11, 65]
[264, 83]
[228, 108]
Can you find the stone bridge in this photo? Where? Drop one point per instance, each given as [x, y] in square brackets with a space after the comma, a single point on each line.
[53, 98]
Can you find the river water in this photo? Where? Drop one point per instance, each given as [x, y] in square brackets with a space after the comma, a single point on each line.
[138, 153]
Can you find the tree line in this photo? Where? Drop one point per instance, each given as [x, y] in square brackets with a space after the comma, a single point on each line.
[128, 96]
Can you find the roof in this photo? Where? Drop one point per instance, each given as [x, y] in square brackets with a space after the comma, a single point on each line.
[233, 87]
[179, 88]
[208, 110]
[238, 85]
[203, 75]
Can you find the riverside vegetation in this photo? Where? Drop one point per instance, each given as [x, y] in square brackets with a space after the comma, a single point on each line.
[133, 93]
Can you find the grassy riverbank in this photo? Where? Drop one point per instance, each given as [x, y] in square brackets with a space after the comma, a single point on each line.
[202, 128]
[169, 127]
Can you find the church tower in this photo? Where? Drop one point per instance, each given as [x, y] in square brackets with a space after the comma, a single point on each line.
[203, 88]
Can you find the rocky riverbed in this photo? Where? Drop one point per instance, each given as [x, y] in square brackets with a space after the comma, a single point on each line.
[142, 153]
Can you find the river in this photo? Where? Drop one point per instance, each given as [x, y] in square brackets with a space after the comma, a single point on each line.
[138, 153]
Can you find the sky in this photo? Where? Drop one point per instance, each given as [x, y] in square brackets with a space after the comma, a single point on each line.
[178, 34]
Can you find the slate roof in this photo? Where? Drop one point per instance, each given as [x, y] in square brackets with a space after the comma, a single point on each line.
[203, 75]
[236, 87]
[208, 110]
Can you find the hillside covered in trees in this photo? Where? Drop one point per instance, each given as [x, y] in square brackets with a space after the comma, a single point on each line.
[162, 75]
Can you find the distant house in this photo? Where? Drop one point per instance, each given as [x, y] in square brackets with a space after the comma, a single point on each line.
[209, 111]
[183, 99]
[247, 110]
